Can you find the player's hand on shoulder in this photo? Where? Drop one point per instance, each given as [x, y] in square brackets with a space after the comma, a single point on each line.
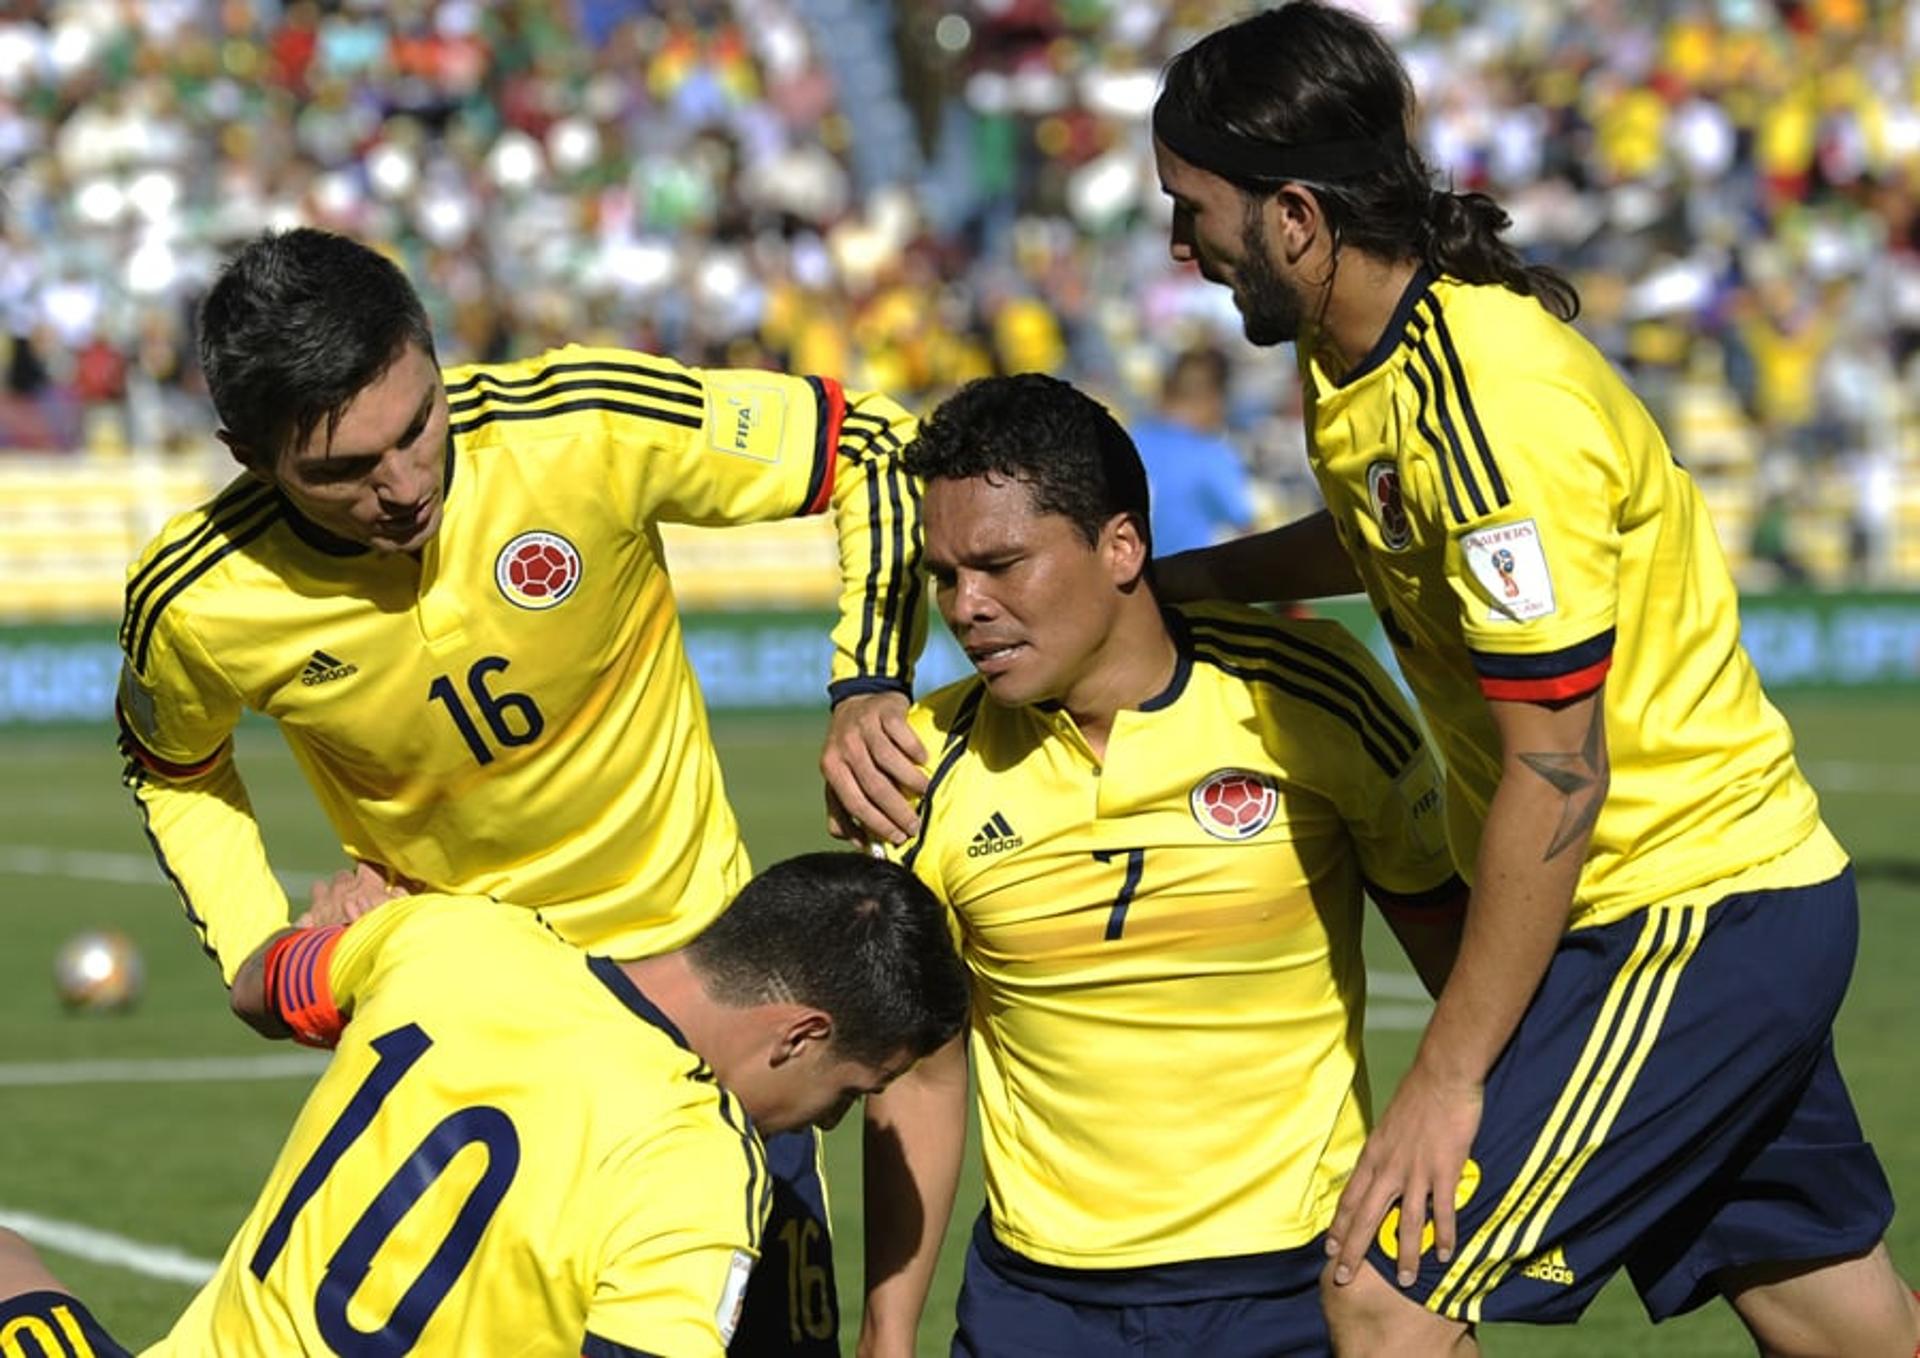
[347, 895]
[872, 764]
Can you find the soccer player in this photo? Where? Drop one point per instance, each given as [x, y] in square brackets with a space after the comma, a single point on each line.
[521, 1149]
[1154, 830]
[447, 589]
[1632, 1062]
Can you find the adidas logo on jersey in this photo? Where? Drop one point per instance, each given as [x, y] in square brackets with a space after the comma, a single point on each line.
[1550, 1267]
[324, 669]
[996, 836]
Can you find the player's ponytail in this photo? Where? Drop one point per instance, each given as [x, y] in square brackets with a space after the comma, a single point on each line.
[1459, 237]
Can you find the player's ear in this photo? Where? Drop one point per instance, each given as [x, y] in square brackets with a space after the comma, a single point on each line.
[1124, 543]
[803, 1032]
[1293, 219]
[250, 461]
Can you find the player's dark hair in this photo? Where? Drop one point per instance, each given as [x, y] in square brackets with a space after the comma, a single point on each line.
[1073, 457]
[298, 324]
[1307, 74]
[859, 938]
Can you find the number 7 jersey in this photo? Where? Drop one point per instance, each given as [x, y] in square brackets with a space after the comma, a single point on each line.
[511, 712]
[1164, 941]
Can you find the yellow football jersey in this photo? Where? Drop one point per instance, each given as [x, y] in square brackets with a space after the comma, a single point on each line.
[511, 713]
[513, 1151]
[1165, 943]
[1525, 534]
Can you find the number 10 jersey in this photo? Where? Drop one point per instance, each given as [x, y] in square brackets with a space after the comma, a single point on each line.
[512, 1151]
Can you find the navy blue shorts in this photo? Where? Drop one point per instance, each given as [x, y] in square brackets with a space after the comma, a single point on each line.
[791, 1306]
[53, 1325]
[1251, 1306]
[1669, 1104]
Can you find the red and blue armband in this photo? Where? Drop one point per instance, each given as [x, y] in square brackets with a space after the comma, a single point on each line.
[298, 989]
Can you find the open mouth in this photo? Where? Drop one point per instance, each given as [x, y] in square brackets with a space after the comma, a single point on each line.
[987, 659]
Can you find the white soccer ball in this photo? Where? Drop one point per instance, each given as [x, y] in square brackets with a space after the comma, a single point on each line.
[99, 971]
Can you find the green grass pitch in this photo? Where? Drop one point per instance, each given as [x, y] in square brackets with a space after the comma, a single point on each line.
[178, 1164]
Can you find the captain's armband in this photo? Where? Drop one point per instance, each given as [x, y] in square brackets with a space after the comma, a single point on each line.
[298, 990]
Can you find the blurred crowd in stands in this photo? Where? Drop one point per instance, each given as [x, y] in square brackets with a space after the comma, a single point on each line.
[909, 194]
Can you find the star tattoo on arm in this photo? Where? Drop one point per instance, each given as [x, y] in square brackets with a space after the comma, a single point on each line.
[1580, 777]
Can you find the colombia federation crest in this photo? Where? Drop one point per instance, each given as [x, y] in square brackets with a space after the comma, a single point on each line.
[1234, 803]
[537, 570]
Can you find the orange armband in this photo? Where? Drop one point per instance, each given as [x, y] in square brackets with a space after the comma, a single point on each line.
[298, 989]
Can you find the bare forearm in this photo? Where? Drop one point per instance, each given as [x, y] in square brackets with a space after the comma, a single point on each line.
[1536, 837]
[1517, 918]
[916, 1136]
[1300, 560]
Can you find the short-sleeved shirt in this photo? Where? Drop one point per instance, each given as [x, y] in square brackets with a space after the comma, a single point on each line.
[513, 1150]
[1164, 942]
[1525, 534]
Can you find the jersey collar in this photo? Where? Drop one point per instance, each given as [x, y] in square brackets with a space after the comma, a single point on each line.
[314, 535]
[1391, 338]
[1056, 711]
[1182, 663]
[631, 995]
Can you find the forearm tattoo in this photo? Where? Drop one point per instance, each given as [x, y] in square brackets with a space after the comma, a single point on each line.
[1581, 780]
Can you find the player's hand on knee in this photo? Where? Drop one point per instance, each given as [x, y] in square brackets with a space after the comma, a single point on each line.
[349, 894]
[872, 764]
[1414, 1158]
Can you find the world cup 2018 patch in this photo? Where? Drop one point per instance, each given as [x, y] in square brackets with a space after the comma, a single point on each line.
[1510, 564]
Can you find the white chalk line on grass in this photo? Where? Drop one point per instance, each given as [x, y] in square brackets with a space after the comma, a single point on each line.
[163, 1070]
[104, 1247]
[1896, 780]
[121, 869]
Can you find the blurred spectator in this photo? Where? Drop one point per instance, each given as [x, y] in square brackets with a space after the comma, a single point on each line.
[1735, 187]
[1201, 491]
[1771, 547]
[1788, 334]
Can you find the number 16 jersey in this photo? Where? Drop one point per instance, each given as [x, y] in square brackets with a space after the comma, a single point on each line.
[511, 713]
